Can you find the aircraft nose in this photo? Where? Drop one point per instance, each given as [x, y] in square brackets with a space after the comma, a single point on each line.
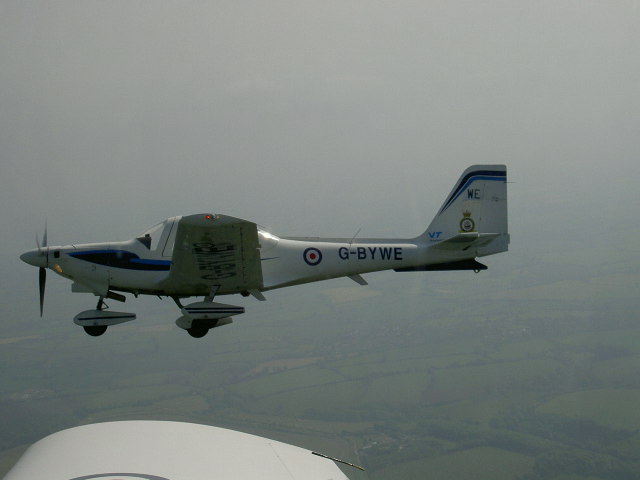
[35, 257]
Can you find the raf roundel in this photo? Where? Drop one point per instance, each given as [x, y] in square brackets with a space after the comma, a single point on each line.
[312, 256]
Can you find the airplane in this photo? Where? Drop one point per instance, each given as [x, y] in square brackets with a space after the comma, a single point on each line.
[212, 254]
[163, 450]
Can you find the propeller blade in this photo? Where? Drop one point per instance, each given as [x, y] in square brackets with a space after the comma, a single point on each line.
[44, 237]
[42, 281]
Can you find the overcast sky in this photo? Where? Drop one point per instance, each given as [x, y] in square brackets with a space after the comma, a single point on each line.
[314, 118]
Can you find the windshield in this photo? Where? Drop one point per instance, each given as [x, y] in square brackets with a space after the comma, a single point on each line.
[154, 234]
[161, 237]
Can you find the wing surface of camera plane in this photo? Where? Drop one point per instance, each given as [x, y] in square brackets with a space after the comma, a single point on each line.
[160, 450]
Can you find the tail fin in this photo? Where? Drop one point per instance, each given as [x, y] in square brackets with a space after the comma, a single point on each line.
[474, 212]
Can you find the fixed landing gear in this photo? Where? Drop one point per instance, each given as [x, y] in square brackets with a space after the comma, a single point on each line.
[197, 332]
[200, 317]
[96, 330]
[199, 327]
[95, 322]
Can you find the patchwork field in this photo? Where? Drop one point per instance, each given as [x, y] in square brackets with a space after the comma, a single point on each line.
[511, 382]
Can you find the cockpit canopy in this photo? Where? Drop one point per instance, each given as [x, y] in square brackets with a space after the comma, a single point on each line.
[161, 237]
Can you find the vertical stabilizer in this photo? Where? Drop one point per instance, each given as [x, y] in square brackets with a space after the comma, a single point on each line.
[477, 205]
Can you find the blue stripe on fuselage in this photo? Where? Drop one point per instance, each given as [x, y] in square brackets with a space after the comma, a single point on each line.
[121, 259]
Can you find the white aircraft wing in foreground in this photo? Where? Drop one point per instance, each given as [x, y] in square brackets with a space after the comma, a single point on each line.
[212, 254]
[154, 450]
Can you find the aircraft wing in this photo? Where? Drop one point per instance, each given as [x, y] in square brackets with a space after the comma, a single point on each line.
[155, 450]
[214, 250]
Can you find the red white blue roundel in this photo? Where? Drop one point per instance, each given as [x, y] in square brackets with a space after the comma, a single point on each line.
[312, 256]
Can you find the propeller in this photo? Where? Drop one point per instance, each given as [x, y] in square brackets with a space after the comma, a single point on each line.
[42, 271]
[42, 280]
[39, 257]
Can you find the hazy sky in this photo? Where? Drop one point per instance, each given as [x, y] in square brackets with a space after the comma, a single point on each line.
[314, 118]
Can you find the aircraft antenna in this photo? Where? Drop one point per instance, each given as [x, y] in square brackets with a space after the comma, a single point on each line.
[354, 237]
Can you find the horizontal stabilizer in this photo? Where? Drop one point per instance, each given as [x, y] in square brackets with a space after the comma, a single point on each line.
[439, 267]
[464, 241]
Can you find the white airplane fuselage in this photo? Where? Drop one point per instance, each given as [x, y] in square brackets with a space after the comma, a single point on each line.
[209, 254]
[131, 267]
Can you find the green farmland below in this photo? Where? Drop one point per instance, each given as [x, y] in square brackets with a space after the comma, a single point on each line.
[492, 376]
